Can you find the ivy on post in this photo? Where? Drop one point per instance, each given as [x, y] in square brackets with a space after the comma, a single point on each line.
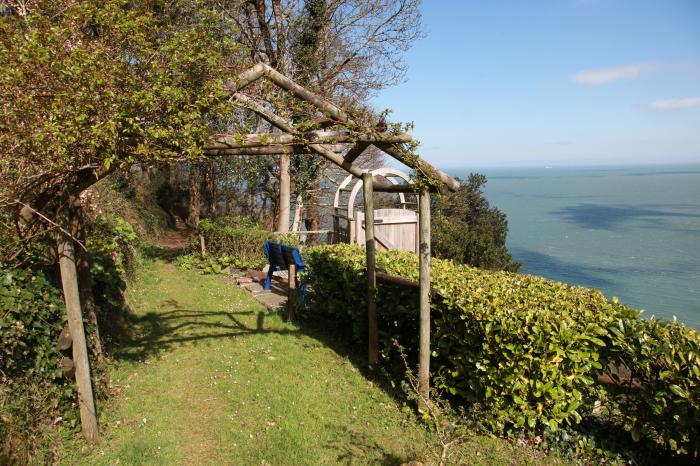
[69, 280]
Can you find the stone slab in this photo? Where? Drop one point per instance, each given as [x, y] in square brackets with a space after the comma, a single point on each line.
[271, 300]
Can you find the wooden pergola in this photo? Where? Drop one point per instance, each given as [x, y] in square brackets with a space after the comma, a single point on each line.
[341, 142]
[326, 144]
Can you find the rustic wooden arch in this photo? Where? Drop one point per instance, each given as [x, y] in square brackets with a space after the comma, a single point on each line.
[342, 144]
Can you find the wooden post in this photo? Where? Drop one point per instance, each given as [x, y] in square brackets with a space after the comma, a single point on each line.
[202, 246]
[424, 293]
[370, 247]
[284, 199]
[69, 280]
[291, 291]
[82, 263]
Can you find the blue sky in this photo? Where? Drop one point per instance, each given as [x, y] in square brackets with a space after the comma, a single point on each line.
[569, 82]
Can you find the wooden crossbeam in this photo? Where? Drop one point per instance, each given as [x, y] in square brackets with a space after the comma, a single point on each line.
[395, 151]
[390, 147]
[394, 280]
[394, 188]
[224, 141]
[272, 149]
[355, 151]
[256, 72]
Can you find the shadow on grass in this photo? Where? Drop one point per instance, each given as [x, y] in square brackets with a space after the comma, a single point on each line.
[353, 445]
[156, 332]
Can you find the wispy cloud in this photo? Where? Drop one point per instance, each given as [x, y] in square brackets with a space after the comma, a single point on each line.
[598, 76]
[675, 104]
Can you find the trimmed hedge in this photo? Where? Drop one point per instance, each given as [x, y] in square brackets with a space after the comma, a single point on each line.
[662, 397]
[237, 241]
[528, 348]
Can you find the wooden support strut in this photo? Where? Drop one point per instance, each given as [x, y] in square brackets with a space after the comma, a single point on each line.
[226, 141]
[334, 112]
[395, 188]
[291, 291]
[279, 122]
[370, 248]
[424, 293]
[355, 151]
[69, 280]
[398, 281]
[272, 149]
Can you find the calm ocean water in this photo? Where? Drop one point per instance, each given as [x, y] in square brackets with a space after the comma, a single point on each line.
[632, 232]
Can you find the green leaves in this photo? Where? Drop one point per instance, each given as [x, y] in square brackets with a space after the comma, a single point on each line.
[529, 349]
[103, 84]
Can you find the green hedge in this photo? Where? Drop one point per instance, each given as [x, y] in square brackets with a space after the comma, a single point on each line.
[237, 241]
[662, 397]
[33, 390]
[528, 348]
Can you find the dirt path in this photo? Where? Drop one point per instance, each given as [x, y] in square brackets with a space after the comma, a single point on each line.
[177, 239]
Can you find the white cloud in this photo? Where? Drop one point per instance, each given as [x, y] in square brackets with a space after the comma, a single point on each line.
[675, 104]
[598, 76]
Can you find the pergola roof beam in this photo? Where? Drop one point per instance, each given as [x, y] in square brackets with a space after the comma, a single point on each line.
[390, 147]
[222, 141]
[261, 69]
[270, 117]
[419, 165]
[272, 149]
[355, 151]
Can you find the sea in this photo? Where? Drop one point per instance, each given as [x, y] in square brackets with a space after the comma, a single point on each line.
[632, 232]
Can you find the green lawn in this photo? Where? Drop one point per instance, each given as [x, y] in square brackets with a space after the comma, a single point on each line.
[212, 377]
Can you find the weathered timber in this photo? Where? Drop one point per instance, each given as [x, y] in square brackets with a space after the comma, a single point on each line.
[68, 367]
[355, 151]
[280, 123]
[246, 78]
[391, 148]
[225, 141]
[419, 164]
[398, 281]
[336, 159]
[256, 72]
[291, 291]
[395, 188]
[370, 248]
[82, 263]
[69, 280]
[284, 195]
[266, 114]
[272, 149]
[65, 341]
[424, 293]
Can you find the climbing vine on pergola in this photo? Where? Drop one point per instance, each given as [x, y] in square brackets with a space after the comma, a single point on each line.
[341, 141]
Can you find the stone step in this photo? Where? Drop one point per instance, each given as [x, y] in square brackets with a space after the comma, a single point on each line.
[253, 287]
[271, 300]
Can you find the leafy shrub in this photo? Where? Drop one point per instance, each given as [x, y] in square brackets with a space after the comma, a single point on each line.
[528, 348]
[468, 230]
[236, 242]
[660, 398]
[32, 387]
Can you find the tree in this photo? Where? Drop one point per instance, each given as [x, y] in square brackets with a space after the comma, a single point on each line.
[90, 86]
[343, 50]
[467, 229]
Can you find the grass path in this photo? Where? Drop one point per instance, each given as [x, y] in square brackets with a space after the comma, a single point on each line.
[211, 377]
